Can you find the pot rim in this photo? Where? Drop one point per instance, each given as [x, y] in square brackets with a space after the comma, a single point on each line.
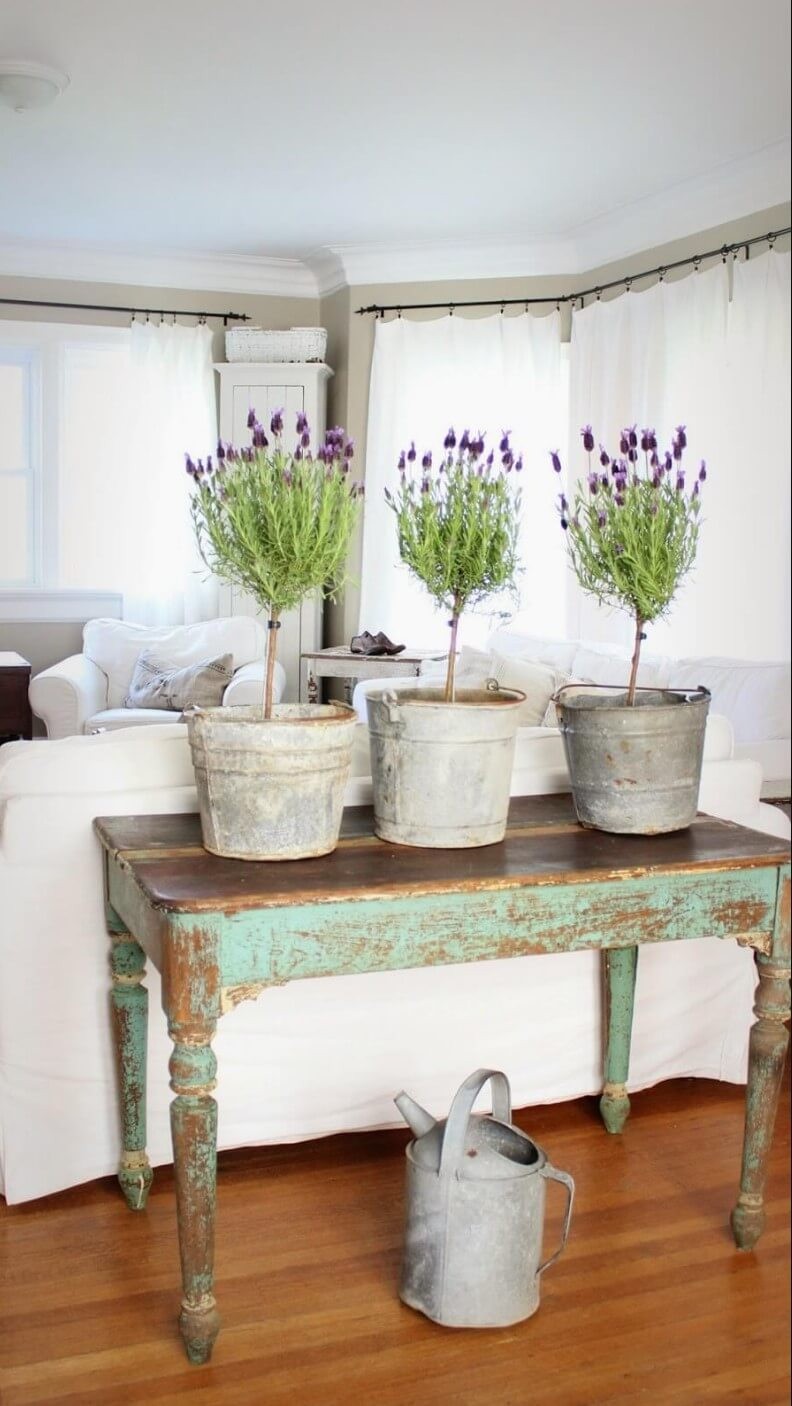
[688, 696]
[230, 713]
[484, 698]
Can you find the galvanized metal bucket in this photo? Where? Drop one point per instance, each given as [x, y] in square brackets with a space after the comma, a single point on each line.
[441, 772]
[271, 788]
[475, 1212]
[635, 770]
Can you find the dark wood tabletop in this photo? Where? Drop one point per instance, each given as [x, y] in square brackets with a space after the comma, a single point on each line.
[544, 844]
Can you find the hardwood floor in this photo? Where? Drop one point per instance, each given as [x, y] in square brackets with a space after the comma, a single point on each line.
[650, 1304]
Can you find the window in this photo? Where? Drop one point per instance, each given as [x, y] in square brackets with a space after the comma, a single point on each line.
[19, 466]
[64, 392]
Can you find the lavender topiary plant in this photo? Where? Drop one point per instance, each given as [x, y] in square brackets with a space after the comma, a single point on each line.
[632, 531]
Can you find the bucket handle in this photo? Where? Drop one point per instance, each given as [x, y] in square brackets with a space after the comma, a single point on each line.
[552, 1173]
[461, 1109]
[643, 688]
[391, 703]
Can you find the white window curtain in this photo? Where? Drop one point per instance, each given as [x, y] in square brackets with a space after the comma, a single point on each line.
[490, 374]
[711, 351]
[172, 384]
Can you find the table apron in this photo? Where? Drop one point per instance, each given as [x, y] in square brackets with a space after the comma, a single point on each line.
[270, 946]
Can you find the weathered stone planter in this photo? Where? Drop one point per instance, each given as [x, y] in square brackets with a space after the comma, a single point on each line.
[271, 788]
[634, 770]
[441, 771]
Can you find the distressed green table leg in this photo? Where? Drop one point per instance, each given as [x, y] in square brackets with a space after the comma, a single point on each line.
[194, 1131]
[768, 1046]
[129, 1002]
[620, 969]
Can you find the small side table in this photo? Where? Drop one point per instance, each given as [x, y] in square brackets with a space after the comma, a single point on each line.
[341, 663]
[16, 719]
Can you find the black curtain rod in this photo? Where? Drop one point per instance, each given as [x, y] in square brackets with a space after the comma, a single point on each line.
[113, 307]
[626, 282]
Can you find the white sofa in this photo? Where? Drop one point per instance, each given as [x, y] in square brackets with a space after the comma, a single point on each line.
[753, 696]
[314, 1057]
[86, 692]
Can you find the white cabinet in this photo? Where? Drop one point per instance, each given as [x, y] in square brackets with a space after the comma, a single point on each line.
[264, 387]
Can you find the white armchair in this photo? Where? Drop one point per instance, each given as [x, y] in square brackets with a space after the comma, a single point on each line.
[85, 693]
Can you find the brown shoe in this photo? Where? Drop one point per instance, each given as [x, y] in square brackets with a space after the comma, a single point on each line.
[388, 646]
[366, 644]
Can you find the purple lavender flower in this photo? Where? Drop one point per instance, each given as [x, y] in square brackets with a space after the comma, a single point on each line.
[490, 458]
[220, 450]
[681, 437]
[564, 524]
[402, 465]
[696, 489]
[669, 462]
[298, 453]
[518, 463]
[276, 422]
[677, 448]
[302, 423]
[189, 465]
[411, 455]
[680, 482]
[251, 420]
[507, 460]
[450, 440]
[604, 480]
[464, 443]
[305, 439]
[209, 464]
[703, 471]
[619, 500]
[349, 450]
[425, 485]
[477, 445]
[588, 438]
[624, 441]
[602, 518]
[322, 454]
[426, 462]
[563, 504]
[504, 444]
[259, 439]
[653, 459]
[555, 460]
[593, 483]
[604, 457]
[655, 480]
[632, 436]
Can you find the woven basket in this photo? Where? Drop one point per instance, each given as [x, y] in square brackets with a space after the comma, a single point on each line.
[259, 344]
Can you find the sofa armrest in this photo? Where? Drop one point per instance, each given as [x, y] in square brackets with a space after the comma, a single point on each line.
[247, 686]
[66, 694]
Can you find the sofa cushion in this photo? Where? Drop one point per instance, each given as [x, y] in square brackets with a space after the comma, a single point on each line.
[537, 681]
[156, 683]
[558, 653]
[114, 646]
[135, 758]
[755, 696]
[113, 719]
[609, 667]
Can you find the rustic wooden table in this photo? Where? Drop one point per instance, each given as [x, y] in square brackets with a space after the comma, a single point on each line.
[222, 930]
[340, 663]
[16, 719]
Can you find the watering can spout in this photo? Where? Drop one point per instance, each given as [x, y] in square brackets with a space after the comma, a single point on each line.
[414, 1115]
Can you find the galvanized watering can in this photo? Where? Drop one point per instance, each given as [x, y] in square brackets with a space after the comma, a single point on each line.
[475, 1212]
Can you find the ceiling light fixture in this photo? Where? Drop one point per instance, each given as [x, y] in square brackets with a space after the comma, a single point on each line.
[25, 85]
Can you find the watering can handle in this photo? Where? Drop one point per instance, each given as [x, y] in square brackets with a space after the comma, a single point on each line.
[461, 1109]
[553, 1174]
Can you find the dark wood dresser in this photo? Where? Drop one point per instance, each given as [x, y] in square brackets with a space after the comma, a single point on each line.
[16, 719]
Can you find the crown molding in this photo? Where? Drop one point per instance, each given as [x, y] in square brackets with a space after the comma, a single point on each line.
[737, 189]
[731, 192]
[222, 273]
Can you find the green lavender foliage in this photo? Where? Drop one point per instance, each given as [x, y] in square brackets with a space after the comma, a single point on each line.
[278, 524]
[458, 525]
[632, 532]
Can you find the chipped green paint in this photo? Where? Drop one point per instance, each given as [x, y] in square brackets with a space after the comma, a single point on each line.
[350, 936]
[620, 971]
[193, 1116]
[768, 1047]
[129, 1000]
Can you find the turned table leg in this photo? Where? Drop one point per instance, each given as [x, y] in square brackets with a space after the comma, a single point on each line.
[620, 969]
[194, 1131]
[768, 1046]
[129, 1001]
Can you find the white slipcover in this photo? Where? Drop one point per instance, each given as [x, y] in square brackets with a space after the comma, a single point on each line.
[314, 1057]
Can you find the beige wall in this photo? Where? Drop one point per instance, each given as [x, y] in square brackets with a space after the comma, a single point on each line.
[342, 619]
[264, 311]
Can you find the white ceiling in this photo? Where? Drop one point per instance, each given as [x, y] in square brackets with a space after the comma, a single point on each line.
[461, 136]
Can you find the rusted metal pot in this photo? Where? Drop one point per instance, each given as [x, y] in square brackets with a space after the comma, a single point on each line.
[634, 770]
[475, 1212]
[441, 772]
[271, 788]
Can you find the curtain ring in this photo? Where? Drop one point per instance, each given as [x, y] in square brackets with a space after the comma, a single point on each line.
[451, 309]
[724, 253]
[502, 308]
[398, 312]
[598, 292]
[697, 264]
[771, 239]
[661, 274]
[628, 283]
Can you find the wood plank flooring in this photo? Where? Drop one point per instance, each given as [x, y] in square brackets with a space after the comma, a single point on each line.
[650, 1304]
